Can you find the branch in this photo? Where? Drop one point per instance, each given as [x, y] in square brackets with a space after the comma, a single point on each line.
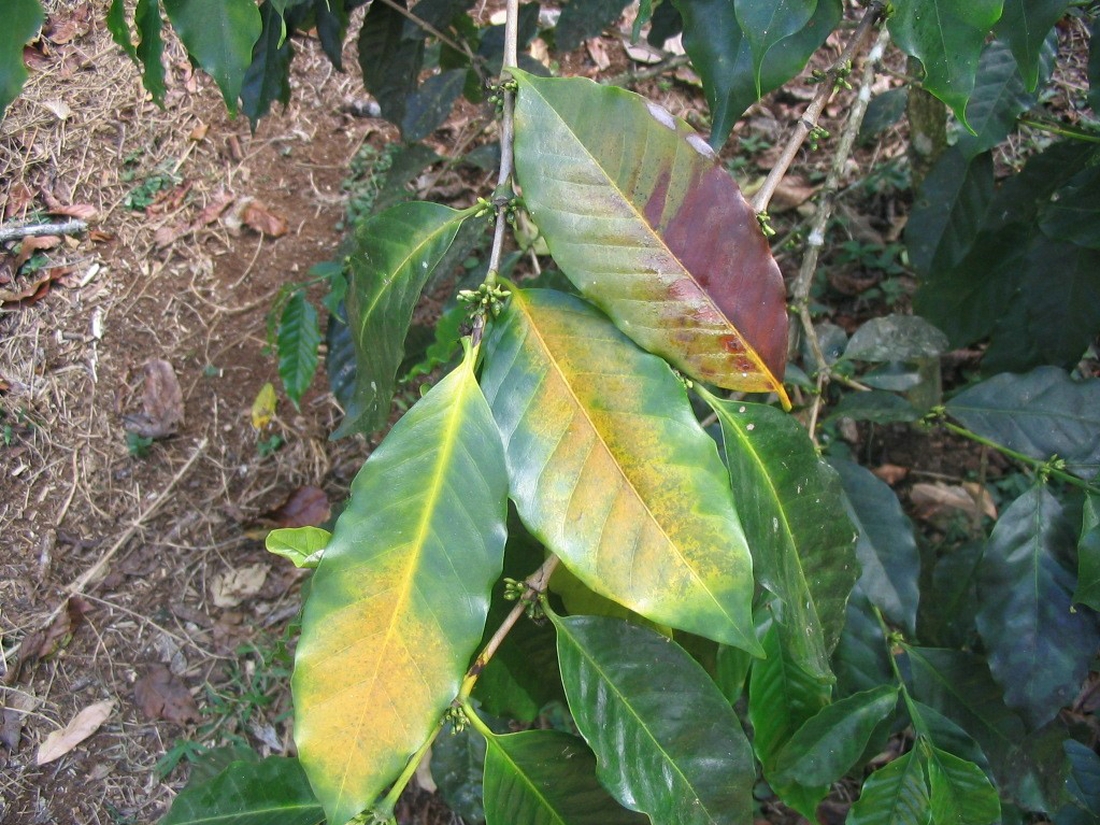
[430, 29]
[808, 122]
[800, 290]
[629, 78]
[37, 230]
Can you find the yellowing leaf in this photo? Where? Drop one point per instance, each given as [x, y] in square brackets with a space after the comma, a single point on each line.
[263, 408]
[603, 452]
[399, 600]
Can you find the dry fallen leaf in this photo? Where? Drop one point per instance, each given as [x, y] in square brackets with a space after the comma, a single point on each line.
[260, 218]
[45, 641]
[891, 473]
[32, 244]
[598, 53]
[163, 402]
[61, 110]
[163, 696]
[305, 507]
[232, 587]
[83, 725]
[83, 211]
[263, 408]
[17, 705]
[936, 502]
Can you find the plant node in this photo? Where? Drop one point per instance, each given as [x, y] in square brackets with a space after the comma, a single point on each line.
[514, 589]
[765, 222]
[456, 717]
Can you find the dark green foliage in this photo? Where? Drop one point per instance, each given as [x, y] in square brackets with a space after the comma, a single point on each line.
[268, 76]
[273, 791]
[582, 19]
[390, 58]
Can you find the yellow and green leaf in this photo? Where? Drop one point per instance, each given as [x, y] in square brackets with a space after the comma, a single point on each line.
[603, 451]
[398, 603]
[640, 215]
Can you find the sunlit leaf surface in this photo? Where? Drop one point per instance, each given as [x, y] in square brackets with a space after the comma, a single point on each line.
[603, 450]
[640, 215]
[399, 600]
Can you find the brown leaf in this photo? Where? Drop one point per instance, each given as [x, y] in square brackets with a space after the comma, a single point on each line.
[232, 587]
[83, 211]
[163, 402]
[20, 197]
[45, 641]
[16, 706]
[83, 725]
[598, 53]
[258, 217]
[936, 502]
[213, 210]
[28, 290]
[34, 59]
[32, 244]
[199, 132]
[160, 695]
[891, 473]
[305, 507]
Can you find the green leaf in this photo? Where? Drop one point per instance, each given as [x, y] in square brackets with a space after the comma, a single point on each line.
[150, 48]
[1024, 26]
[21, 20]
[896, 794]
[884, 110]
[1088, 555]
[861, 660]
[390, 62]
[829, 743]
[781, 488]
[721, 54]
[219, 36]
[273, 791]
[960, 793]
[998, 99]
[120, 29]
[395, 253]
[895, 338]
[444, 346]
[299, 337]
[948, 211]
[947, 37]
[765, 24]
[886, 547]
[399, 601]
[1073, 212]
[949, 606]
[332, 26]
[545, 777]
[581, 19]
[1041, 414]
[304, 546]
[603, 450]
[429, 106]
[458, 765]
[268, 76]
[1039, 648]
[652, 230]
[778, 682]
[406, 164]
[877, 406]
[945, 734]
[1055, 314]
[1084, 784]
[650, 754]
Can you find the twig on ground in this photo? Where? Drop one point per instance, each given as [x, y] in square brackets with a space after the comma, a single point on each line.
[630, 77]
[800, 290]
[808, 122]
[37, 230]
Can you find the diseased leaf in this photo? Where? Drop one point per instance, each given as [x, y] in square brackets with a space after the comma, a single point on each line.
[299, 338]
[219, 36]
[1039, 649]
[722, 56]
[396, 251]
[1024, 26]
[642, 218]
[896, 794]
[886, 547]
[602, 450]
[1088, 555]
[273, 791]
[22, 19]
[778, 682]
[947, 37]
[399, 601]
[1073, 212]
[546, 777]
[998, 99]
[765, 24]
[960, 792]
[1041, 414]
[650, 754]
[781, 488]
[581, 19]
[268, 76]
[829, 743]
[390, 62]
[948, 211]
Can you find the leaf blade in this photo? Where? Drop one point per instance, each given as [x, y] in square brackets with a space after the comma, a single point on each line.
[766, 24]
[602, 449]
[298, 340]
[21, 20]
[896, 794]
[661, 238]
[399, 600]
[273, 791]
[651, 755]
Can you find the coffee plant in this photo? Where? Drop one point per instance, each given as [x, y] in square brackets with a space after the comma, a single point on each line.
[604, 527]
